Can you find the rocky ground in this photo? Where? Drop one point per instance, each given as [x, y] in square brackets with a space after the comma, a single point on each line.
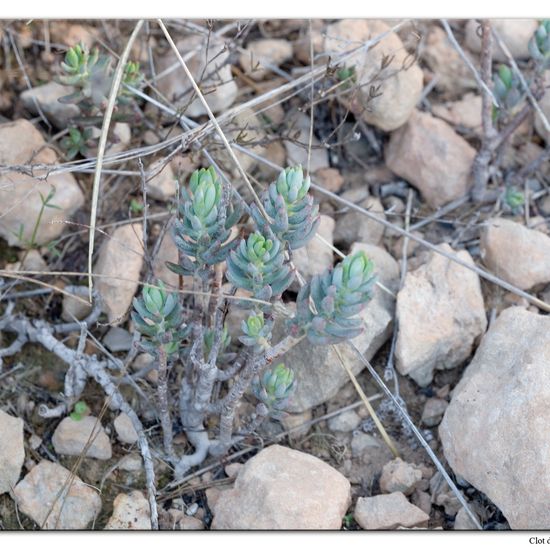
[458, 328]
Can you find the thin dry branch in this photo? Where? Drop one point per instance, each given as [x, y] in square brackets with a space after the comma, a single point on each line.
[102, 144]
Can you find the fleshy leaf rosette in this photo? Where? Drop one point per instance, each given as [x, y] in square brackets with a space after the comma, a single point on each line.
[258, 266]
[202, 234]
[92, 75]
[294, 214]
[257, 331]
[89, 73]
[274, 388]
[539, 45]
[507, 87]
[158, 317]
[338, 296]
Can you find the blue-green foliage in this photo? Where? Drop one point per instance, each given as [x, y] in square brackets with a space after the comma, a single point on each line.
[507, 87]
[274, 388]
[338, 295]
[209, 335]
[201, 233]
[92, 75]
[258, 266]
[290, 206]
[158, 317]
[257, 331]
[539, 45]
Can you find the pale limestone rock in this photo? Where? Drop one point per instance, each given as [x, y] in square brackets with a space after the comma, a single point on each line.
[56, 499]
[119, 266]
[495, 430]
[281, 488]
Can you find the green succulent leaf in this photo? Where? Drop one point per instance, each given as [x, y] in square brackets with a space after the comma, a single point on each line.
[539, 45]
[288, 203]
[274, 388]
[157, 316]
[338, 296]
[258, 266]
[200, 234]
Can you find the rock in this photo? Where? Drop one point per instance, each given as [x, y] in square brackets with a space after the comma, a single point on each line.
[132, 462]
[125, 430]
[118, 339]
[300, 421]
[453, 76]
[494, 432]
[276, 153]
[465, 112]
[344, 422]
[118, 141]
[72, 34]
[544, 104]
[399, 88]
[47, 97]
[515, 33]
[231, 470]
[34, 442]
[131, 512]
[384, 512]
[412, 246]
[167, 252]
[72, 436]
[362, 442]
[463, 522]
[208, 66]
[260, 54]
[316, 256]
[297, 150]
[30, 260]
[433, 412]
[281, 488]
[49, 497]
[441, 313]
[330, 179]
[354, 226]
[119, 265]
[146, 361]
[302, 45]
[422, 500]
[20, 200]
[319, 373]
[162, 186]
[182, 522]
[399, 477]
[244, 126]
[12, 451]
[213, 495]
[430, 155]
[74, 308]
[369, 455]
[519, 255]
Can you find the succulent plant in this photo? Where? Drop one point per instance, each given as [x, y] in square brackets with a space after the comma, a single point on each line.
[258, 266]
[288, 203]
[507, 87]
[209, 336]
[274, 388]
[92, 75]
[338, 295]
[514, 199]
[200, 233]
[77, 142]
[539, 45]
[158, 316]
[89, 73]
[257, 332]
